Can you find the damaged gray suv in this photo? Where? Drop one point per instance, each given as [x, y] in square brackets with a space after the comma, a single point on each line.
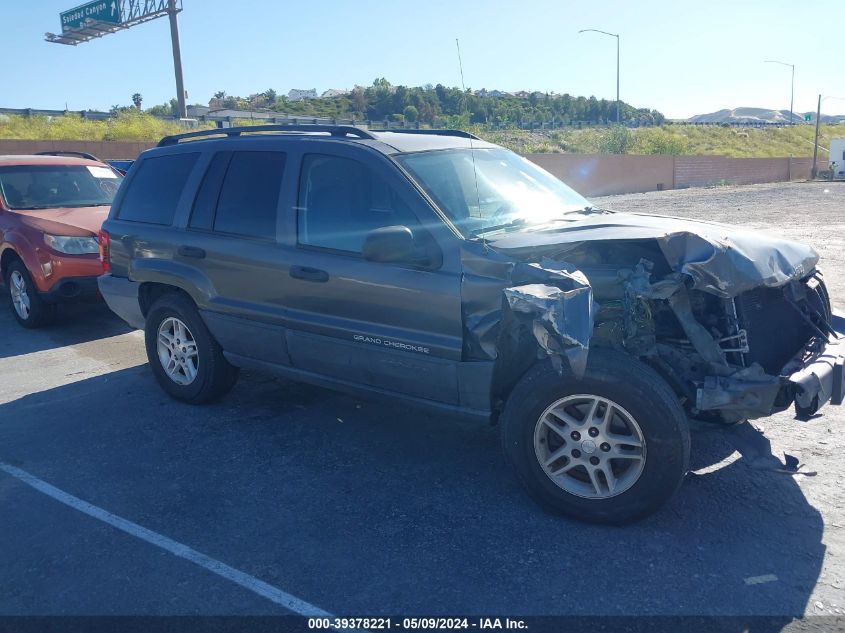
[453, 274]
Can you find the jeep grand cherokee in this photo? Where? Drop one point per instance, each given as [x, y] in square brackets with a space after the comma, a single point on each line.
[453, 274]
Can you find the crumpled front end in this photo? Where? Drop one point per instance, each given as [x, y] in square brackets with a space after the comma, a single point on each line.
[738, 323]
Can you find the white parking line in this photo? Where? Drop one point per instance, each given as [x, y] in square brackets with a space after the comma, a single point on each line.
[223, 570]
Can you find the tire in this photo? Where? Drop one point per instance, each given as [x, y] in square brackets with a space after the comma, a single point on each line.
[28, 308]
[636, 392]
[198, 378]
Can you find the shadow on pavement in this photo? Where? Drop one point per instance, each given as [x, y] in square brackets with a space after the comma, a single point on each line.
[371, 509]
[76, 323]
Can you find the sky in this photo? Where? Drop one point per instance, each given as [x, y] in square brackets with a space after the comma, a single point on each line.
[679, 57]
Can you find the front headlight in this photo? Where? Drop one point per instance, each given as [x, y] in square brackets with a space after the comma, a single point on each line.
[72, 245]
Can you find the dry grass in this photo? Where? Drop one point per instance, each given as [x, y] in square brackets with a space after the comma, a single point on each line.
[668, 139]
[671, 139]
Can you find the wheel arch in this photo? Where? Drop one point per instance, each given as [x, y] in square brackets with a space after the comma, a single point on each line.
[150, 291]
[8, 255]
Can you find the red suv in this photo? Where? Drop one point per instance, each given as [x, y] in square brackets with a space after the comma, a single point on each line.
[51, 209]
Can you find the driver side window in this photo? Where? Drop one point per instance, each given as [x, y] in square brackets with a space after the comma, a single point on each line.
[341, 200]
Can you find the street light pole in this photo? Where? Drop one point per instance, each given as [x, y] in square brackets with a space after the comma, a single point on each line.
[792, 89]
[616, 35]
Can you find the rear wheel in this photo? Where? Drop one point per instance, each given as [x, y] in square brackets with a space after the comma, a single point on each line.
[186, 360]
[611, 447]
[28, 308]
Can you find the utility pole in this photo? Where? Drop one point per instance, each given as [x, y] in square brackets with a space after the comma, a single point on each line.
[617, 79]
[616, 35]
[177, 59]
[815, 170]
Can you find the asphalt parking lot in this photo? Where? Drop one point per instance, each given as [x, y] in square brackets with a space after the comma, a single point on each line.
[360, 508]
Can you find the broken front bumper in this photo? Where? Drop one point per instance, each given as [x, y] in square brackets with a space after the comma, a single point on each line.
[810, 380]
[821, 378]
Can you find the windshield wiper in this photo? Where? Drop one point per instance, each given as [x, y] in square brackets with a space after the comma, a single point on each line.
[498, 227]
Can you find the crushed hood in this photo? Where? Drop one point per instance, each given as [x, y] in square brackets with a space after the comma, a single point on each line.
[720, 259]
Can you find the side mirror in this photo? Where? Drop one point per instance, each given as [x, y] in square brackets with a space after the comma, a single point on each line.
[390, 244]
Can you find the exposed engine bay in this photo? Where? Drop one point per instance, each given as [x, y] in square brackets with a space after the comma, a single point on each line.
[738, 323]
[729, 358]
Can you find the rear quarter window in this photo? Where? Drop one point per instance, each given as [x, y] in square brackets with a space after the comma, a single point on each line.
[155, 189]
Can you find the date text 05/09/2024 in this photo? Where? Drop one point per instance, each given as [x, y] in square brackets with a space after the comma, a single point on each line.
[385, 623]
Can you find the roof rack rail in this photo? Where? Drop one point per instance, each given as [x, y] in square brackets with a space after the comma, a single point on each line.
[333, 130]
[434, 132]
[85, 155]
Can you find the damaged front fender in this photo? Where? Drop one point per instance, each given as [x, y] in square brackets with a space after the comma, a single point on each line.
[561, 320]
[554, 302]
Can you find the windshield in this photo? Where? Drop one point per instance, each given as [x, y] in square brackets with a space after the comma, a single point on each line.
[51, 186]
[487, 189]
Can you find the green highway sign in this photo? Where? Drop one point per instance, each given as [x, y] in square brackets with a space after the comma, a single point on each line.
[98, 11]
[808, 117]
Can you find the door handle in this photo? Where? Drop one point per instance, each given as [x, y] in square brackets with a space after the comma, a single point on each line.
[309, 274]
[191, 251]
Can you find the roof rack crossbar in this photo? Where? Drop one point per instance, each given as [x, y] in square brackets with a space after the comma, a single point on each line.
[333, 130]
[85, 155]
[434, 132]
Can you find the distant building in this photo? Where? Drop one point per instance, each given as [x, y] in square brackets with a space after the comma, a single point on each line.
[300, 95]
[197, 110]
[333, 92]
[497, 93]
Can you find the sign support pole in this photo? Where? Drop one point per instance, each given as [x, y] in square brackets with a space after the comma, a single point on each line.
[815, 171]
[177, 59]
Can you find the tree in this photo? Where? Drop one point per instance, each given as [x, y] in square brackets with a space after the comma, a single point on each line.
[411, 114]
[165, 110]
[137, 99]
[382, 100]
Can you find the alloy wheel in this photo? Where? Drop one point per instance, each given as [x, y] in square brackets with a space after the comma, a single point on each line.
[177, 351]
[20, 296]
[590, 446]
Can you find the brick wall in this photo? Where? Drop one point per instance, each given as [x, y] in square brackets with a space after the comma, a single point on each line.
[692, 171]
[100, 149]
[590, 174]
[606, 174]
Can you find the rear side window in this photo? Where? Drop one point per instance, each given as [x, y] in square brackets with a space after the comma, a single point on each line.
[155, 189]
[249, 196]
[202, 216]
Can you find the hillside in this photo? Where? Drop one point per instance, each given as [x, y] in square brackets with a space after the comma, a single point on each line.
[439, 105]
[671, 139]
[760, 115]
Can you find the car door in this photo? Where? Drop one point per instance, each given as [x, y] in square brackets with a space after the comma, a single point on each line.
[394, 327]
[231, 242]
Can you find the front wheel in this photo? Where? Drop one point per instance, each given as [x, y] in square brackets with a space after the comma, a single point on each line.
[611, 447]
[28, 308]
